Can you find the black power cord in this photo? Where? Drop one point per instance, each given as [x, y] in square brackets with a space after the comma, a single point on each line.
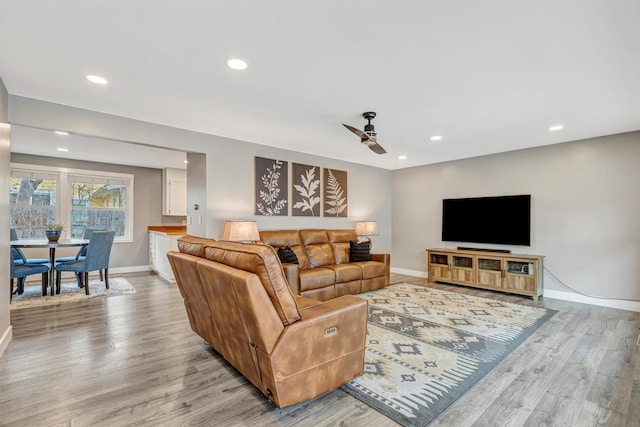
[586, 295]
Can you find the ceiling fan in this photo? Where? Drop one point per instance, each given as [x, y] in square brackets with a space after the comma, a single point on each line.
[368, 137]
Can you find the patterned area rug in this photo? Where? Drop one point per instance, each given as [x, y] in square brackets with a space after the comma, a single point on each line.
[427, 347]
[70, 292]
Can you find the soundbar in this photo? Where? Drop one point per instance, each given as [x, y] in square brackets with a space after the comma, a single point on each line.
[500, 251]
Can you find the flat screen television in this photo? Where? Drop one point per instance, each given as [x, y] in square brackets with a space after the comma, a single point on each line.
[504, 220]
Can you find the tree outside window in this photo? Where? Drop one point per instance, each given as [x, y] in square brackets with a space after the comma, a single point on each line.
[33, 205]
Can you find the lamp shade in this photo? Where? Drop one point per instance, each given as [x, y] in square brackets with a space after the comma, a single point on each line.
[241, 231]
[367, 228]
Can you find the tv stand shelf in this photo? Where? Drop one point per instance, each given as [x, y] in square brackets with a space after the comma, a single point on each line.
[513, 273]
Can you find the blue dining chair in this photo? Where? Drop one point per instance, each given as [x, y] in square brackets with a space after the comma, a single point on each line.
[82, 253]
[21, 271]
[97, 258]
[18, 255]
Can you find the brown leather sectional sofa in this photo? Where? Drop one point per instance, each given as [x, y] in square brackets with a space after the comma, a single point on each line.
[323, 271]
[292, 348]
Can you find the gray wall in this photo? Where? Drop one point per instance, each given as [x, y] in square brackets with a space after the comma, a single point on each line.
[585, 209]
[229, 167]
[147, 205]
[5, 327]
[196, 194]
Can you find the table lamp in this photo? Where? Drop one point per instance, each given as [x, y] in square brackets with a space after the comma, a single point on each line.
[240, 231]
[366, 229]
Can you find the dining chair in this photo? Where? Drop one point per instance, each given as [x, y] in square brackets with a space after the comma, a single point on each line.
[22, 259]
[21, 271]
[82, 253]
[97, 258]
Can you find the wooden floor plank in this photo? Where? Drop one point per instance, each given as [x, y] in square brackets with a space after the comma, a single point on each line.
[133, 360]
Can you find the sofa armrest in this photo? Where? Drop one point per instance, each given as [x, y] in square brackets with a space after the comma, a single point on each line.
[386, 258]
[325, 332]
[292, 273]
[334, 307]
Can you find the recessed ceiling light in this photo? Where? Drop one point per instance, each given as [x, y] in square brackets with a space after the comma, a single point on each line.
[97, 79]
[61, 132]
[62, 149]
[402, 157]
[435, 138]
[186, 161]
[237, 64]
[556, 127]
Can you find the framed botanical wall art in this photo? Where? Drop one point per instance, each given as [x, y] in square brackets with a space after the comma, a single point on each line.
[306, 190]
[334, 187]
[271, 186]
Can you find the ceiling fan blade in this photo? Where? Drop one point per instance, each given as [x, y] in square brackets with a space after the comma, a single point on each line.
[377, 148]
[363, 136]
[369, 141]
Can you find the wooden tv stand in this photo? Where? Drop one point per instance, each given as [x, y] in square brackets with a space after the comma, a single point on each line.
[512, 273]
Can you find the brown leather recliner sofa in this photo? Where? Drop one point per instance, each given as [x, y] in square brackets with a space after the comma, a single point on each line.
[323, 271]
[290, 347]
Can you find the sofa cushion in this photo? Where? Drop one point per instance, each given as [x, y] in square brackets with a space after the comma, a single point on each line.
[346, 272]
[372, 269]
[287, 255]
[263, 261]
[315, 278]
[320, 255]
[321, 294]
[339, 240]
[304, 303]
[284, 238]
[359, 251]
[193, 245]
[313, 236]
[317, 246]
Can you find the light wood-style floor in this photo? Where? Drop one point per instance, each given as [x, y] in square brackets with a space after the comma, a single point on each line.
[133, 360]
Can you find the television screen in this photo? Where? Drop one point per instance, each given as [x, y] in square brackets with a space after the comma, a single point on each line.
[502, 220]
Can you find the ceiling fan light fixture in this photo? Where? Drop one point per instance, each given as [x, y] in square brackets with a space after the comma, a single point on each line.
[238, 64]
[368, 137]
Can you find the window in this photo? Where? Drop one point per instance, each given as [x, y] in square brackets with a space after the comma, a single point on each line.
[32, 197]
[85, 199]
[98, 201]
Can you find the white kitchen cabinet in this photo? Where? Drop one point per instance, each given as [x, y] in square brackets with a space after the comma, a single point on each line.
[174, 192]
[159, 244]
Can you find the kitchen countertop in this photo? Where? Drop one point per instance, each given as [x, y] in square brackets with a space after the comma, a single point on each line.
[170, 230]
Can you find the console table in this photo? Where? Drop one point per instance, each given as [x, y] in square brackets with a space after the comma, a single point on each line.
[512, 273]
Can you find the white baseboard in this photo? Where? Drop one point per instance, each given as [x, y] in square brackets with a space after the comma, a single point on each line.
[414, 273]
[131, 269]
[119, 270]
[611, 303]
[112, 271]
[6, 339]
[548, 293]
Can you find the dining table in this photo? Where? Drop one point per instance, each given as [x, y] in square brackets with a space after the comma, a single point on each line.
[44, 243]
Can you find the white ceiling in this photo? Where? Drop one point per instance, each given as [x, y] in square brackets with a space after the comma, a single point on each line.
[488, 76]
